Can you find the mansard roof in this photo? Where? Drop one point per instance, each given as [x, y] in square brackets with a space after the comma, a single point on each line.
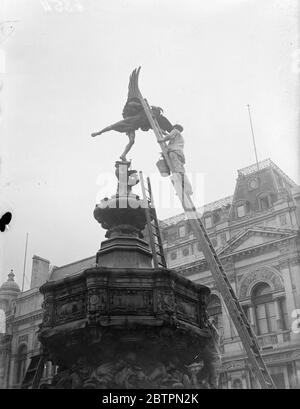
[72, 268]
[209, 207]
[266, 163]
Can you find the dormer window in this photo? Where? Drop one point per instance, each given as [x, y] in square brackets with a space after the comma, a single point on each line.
[208, 222]
[216, 217]
[264, 203]
[241, 211]
[181, 231]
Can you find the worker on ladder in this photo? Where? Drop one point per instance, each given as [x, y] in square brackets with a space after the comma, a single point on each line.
[176, 154]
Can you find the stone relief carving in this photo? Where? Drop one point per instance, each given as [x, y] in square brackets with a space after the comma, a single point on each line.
[48, 312]
[186, 309]
[165, 302]
[69, 307]
[133, 301]
[97, 302]
[130, 373]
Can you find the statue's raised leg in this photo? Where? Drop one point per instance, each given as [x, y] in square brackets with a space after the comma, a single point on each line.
[108, 128]
[131, 136]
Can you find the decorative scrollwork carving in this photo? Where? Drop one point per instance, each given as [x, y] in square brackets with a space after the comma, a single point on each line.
[267, 275]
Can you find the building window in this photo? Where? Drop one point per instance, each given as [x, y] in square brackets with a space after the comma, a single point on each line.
[165, 235]
[173, 255]
[277, 374]
[264, 309]
[189, 228]
[185, 252]
[208, 222]
[264, 203]
[21, 363]
[241, 210]
[223, 239]
[181, 231]
[216, 217]
[214, 310]
[47, 370]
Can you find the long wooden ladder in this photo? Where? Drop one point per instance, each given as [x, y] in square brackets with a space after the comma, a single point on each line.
[244, 329]
[152, 224]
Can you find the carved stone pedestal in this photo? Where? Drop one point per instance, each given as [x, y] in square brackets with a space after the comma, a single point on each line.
[125, 324]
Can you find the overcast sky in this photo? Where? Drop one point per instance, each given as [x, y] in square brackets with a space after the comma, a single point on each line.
[66, 73]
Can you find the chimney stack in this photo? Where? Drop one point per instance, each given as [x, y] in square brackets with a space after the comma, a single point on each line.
[40, 271]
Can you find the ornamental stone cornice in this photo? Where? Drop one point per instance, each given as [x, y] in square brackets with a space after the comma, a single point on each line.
[279, 236]
[28, 319]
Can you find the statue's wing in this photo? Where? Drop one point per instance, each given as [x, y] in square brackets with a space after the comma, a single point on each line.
[133, 105]
[133, 87]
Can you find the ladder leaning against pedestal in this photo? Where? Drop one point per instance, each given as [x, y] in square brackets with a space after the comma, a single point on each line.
[152, 224]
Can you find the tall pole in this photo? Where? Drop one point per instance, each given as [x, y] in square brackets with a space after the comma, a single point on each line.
[24, 268]
[253, 138]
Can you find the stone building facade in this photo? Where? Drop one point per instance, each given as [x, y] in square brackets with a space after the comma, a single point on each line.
[24, 313]
[256, 234]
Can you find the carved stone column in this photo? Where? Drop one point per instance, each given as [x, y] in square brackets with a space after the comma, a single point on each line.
[295, 272]
[252, 317]
[226, 321]
[288, 286]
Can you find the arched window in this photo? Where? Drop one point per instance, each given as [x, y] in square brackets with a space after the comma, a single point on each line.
[2, 322]
[214, 310]
[264, 308]
[21, 363]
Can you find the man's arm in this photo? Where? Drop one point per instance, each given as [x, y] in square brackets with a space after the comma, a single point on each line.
[95, 134]
[168, 136]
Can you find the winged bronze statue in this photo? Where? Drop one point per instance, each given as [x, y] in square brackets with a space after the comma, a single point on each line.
[134, 116]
